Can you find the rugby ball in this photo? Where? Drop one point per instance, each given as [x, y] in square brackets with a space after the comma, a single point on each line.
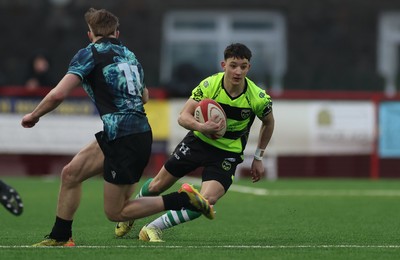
[205, 110]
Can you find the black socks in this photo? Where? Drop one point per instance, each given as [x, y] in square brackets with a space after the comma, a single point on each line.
[177, 201]
[62, 229]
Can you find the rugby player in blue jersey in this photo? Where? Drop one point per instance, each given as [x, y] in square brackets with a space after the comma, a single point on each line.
[113, 78]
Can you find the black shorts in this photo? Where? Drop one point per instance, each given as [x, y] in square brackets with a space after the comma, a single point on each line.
[192, 153]
[126, 157]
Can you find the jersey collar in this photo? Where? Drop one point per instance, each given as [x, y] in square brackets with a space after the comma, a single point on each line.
[244, 89]
[111, 40]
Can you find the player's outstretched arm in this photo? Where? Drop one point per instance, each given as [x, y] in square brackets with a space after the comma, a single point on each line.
[52, 100]
[266, 130]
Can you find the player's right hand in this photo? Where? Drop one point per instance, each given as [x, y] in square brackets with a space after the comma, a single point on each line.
[29, 121]
[213, 125]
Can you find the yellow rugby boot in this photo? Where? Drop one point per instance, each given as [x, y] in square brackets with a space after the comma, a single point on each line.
[197, 200]
[150, 234]
[52, 242]
[123, 228]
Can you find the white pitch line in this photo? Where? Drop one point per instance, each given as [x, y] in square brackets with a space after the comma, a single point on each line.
[214, 247]
[331, 193]
[316, 193]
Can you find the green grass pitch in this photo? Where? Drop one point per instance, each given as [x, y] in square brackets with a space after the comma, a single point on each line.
[284, 219]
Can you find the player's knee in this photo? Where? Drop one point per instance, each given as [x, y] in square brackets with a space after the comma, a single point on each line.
[114, 216]
[68, 175]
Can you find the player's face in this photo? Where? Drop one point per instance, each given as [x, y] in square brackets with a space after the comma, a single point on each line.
[236, 70]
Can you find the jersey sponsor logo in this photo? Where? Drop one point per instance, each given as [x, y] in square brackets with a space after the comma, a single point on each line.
[226, 165]
[230, 159]
[245, 113]
[198, 94]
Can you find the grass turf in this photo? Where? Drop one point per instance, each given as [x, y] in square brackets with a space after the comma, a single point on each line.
[289, 219]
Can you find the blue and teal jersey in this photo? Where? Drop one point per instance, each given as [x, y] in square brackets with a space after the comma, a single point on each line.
[240, 111]
[114, 80]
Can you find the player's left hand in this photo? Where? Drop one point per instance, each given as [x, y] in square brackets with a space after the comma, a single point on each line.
[257, 170]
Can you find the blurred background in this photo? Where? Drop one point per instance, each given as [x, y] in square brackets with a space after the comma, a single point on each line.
[331, 67]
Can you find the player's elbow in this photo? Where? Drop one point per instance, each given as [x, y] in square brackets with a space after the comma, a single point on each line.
[57, 96]
[180, 120]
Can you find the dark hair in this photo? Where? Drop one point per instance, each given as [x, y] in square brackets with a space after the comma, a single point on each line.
[237, 50]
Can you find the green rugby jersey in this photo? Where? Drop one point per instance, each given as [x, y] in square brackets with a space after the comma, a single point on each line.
[240, 111]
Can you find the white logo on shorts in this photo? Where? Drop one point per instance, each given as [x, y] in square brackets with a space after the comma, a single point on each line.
[113, 173]
[184, 149]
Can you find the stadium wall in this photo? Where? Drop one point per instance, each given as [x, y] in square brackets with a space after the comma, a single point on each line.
[317, 134]
[331, 44]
